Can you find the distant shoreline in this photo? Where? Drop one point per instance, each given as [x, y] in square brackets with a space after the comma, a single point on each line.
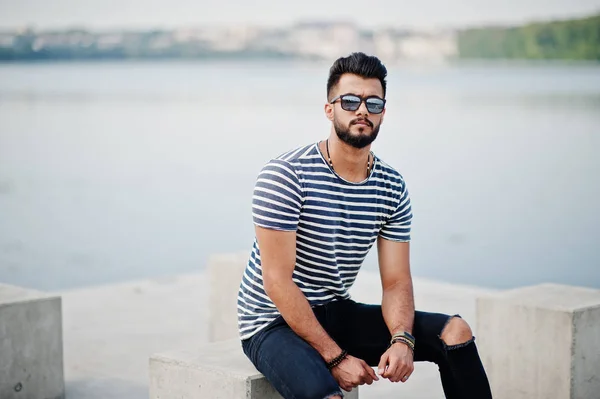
[566, 40]
[300, 61]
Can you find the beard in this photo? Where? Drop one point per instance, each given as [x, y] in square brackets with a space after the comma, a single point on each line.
[359, 140]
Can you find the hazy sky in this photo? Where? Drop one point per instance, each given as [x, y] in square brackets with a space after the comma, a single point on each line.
[174, 13]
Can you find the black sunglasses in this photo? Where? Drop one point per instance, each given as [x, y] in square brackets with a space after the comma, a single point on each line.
[351, 102]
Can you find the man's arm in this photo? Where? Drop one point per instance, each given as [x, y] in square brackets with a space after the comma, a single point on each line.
[398, 302]
[397, 306]
[278, 258]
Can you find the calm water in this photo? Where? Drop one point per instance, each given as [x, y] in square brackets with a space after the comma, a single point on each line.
[112, 172]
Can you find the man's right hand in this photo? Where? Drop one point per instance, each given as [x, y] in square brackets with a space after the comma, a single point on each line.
[352, 372]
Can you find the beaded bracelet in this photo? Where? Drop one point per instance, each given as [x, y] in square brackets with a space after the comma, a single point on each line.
[337, 360]
[404, 341]
[404, 335]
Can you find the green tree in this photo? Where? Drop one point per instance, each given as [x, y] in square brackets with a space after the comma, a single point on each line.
[577, 39]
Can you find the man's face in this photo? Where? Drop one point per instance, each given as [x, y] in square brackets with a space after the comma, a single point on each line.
[360, 127]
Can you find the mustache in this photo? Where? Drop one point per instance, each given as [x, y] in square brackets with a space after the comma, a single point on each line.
[365, 120]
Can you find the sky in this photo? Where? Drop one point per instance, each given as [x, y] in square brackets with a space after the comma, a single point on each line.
[144, 14]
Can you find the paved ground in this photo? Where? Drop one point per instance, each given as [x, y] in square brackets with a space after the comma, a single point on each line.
[110, 332]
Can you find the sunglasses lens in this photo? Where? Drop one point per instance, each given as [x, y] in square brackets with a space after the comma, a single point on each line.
[375, 105]
[350, 103]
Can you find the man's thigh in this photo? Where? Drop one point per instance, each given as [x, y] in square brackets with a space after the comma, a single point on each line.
[362, 331]
[289, 363]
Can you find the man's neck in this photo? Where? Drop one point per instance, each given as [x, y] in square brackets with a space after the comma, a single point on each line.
[348, 162]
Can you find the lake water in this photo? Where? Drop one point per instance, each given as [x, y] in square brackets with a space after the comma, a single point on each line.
[119, 171]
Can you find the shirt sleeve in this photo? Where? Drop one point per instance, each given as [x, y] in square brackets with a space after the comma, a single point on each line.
[398, 226]
[277, 198]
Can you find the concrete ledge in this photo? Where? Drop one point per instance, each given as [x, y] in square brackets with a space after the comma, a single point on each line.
[541, 342]
[31, 346]
[225, 275]
[217, 371]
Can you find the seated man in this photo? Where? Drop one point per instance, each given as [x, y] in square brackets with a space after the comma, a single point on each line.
[317, 211]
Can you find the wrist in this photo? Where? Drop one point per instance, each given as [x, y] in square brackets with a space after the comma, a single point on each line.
[403, 342]
[328, 353]
[337, 360]
[405, 336]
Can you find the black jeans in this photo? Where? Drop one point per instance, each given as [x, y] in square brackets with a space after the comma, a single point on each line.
[297, 370]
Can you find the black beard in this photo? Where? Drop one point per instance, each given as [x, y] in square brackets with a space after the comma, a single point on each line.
[356, 141]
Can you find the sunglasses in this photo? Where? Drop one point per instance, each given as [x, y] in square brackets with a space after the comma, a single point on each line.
[352, 102]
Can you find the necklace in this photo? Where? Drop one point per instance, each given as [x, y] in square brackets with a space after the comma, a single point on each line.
[331, 163]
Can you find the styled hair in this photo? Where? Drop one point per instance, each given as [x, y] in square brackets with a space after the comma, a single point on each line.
[360, 64]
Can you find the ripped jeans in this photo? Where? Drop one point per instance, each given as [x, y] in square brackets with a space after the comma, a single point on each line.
[297, 371]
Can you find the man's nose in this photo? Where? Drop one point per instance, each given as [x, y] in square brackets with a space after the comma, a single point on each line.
[362, 109]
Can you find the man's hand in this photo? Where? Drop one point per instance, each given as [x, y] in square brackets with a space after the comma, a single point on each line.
[396, 363]
[352, 372]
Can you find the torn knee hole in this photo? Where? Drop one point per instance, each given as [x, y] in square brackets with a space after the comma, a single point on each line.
[456, 332]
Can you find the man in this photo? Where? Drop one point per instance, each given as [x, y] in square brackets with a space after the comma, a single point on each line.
[317, 211]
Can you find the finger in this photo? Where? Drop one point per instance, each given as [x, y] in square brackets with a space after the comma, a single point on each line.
[342, 384]
[368, 378]
[398, 372]
[391, 369]
[347, 385]
[365, 378]
[382, 363]
[371, 373]
[404, 373]
[408, 370]
[404, 378]
[411, 370]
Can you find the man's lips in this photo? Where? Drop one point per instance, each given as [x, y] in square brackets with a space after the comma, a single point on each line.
[362, 122]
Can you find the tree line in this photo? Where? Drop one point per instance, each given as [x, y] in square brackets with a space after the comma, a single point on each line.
[577, 39]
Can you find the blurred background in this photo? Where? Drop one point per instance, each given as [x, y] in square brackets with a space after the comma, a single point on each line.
[131, 132]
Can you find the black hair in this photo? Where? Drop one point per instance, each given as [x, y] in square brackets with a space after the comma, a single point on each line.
[366, 66]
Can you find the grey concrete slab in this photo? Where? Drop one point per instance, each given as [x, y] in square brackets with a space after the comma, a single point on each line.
[224, 273]
[31, 344]
[541, 342]
[219, 370]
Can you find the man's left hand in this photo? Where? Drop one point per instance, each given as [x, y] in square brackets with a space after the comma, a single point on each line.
[396, 363]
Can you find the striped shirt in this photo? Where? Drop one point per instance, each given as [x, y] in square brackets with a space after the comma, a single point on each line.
[336, 224]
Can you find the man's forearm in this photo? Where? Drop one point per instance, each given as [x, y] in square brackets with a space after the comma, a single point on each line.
[295, 309]
[398, 306]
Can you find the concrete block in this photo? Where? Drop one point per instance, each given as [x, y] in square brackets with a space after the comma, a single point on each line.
[541, 342]
[31, 346]
[219, 370]
[225, 274]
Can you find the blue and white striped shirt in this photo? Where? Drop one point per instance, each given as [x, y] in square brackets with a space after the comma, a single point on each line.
[336, 224]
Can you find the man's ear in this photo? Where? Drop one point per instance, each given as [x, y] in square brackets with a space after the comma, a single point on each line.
[329, 111]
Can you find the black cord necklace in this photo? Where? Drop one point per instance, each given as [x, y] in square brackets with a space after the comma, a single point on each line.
[331, 163]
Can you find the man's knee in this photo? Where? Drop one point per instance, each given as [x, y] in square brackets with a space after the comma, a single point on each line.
[456, 332]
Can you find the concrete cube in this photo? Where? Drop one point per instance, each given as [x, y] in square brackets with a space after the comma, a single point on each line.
[219, 370]
[31, 347]
[541, 342]
[225, 274]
